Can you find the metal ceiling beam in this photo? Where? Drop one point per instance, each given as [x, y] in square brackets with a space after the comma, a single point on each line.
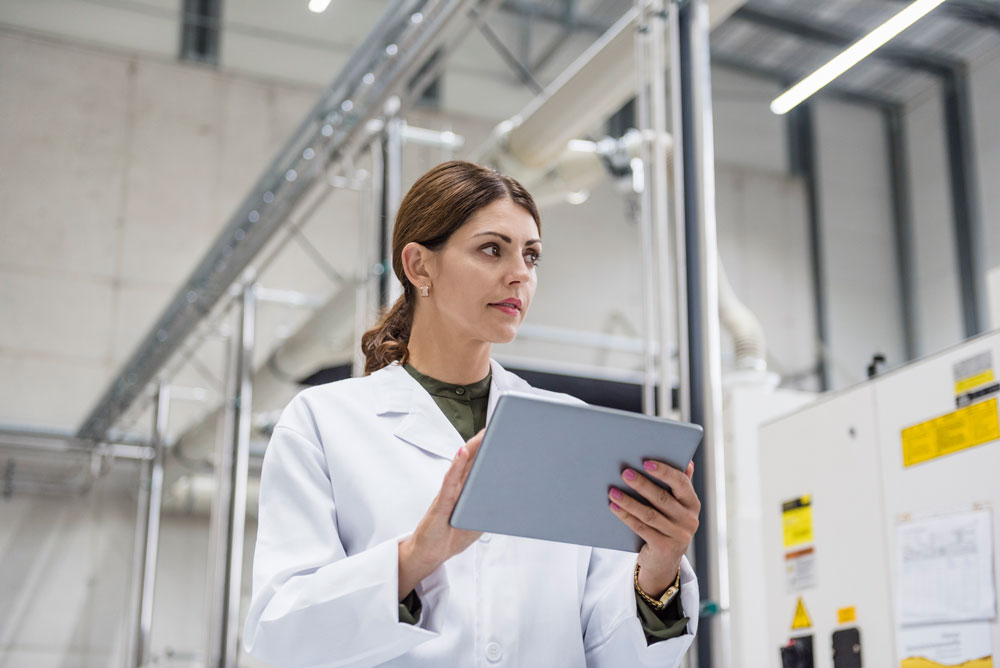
[524, 75]
[551, 14]
[569, 12]
[842, 37]
[975, 12]
[832, 91]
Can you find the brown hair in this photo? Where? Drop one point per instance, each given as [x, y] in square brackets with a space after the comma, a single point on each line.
[440, 202]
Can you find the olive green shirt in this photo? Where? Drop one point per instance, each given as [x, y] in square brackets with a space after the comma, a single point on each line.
[465, 407]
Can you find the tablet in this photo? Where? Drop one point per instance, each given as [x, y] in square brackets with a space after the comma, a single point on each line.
[545, 467]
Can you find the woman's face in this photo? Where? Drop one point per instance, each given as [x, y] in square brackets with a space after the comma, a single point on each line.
[487, 261]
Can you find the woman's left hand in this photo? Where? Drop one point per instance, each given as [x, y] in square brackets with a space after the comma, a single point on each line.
[667, 522]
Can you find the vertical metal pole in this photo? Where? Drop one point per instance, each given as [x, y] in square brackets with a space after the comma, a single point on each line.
[964, 200]
[222, 508]
[659, 186]
[899, 184]
[231, 473]
[371, 250]
[642, 176]
[804, 163]
[147, 537]
[392, 187]
[691, 89]
[240, 473]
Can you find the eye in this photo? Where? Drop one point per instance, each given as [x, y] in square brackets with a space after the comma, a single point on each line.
[535, 257]
[489, 248]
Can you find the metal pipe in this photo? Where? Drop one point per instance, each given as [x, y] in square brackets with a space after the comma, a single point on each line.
[146, 544]
[370, 271]
[12, 433]
[232, 470]
[241, 463]
[433, 138]
[691, 88]
[161, 416]
[658, 185]
[51, 444]
[222, 511]
[642, 212]
[392, 182]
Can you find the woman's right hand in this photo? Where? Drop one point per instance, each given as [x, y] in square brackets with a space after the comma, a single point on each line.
[435, 541]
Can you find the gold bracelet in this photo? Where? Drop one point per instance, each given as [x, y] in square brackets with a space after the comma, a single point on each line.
[658, 604]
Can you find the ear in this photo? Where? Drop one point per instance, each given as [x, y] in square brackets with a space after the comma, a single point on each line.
[417, 263]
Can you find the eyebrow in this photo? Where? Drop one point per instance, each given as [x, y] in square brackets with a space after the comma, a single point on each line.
[508, 239]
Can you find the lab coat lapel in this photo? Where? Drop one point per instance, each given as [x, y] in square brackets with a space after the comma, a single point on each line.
[424, 425]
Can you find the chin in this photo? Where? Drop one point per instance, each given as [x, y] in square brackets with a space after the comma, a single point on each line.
[505, 335]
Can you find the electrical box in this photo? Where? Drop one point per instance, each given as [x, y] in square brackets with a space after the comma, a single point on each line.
[877, 501]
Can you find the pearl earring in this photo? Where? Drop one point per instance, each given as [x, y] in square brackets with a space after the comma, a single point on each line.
[425, 291]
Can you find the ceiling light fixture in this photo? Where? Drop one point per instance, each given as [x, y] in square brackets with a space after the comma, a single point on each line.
[318, 6]
[852, 55]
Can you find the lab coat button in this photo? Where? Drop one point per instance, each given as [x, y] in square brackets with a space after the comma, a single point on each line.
[485, 538]
[494, 652]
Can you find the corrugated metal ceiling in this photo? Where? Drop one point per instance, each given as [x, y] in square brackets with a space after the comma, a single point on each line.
[788, 39]
[775, 38]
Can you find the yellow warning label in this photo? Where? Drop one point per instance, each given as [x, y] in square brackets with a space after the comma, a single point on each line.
[801, 620]
[847, 615]
[964, 385]
[920, 662]
[796, 521]
[965, 428]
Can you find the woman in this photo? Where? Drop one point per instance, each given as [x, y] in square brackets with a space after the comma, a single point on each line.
[356, 564]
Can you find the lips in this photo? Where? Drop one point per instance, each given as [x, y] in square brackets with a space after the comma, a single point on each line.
[509, 303]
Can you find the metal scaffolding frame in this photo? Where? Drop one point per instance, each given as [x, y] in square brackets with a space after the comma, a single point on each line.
[331, 133]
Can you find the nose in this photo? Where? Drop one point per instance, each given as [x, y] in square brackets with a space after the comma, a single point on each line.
[519, 272]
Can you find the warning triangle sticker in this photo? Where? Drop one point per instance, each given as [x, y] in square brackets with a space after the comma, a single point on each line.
[801, 620]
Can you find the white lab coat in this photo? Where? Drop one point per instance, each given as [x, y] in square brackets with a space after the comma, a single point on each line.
[351, 468]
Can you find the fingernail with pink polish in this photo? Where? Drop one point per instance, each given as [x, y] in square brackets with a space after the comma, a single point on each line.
[615, 494]
[629, 474]
[649, 466]
[614, 506]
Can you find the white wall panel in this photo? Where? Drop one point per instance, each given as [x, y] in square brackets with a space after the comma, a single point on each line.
[747, 134]
[937, 299]
[860, 272]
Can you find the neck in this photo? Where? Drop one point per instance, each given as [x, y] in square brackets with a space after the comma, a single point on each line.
[447, 356]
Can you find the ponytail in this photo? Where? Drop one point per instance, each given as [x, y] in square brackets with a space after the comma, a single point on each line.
[387, 341]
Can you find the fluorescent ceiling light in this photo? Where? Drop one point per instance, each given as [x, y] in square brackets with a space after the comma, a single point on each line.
[852, 55]
[318, 6]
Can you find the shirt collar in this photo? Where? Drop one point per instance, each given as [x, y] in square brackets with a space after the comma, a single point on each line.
[438, 388]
